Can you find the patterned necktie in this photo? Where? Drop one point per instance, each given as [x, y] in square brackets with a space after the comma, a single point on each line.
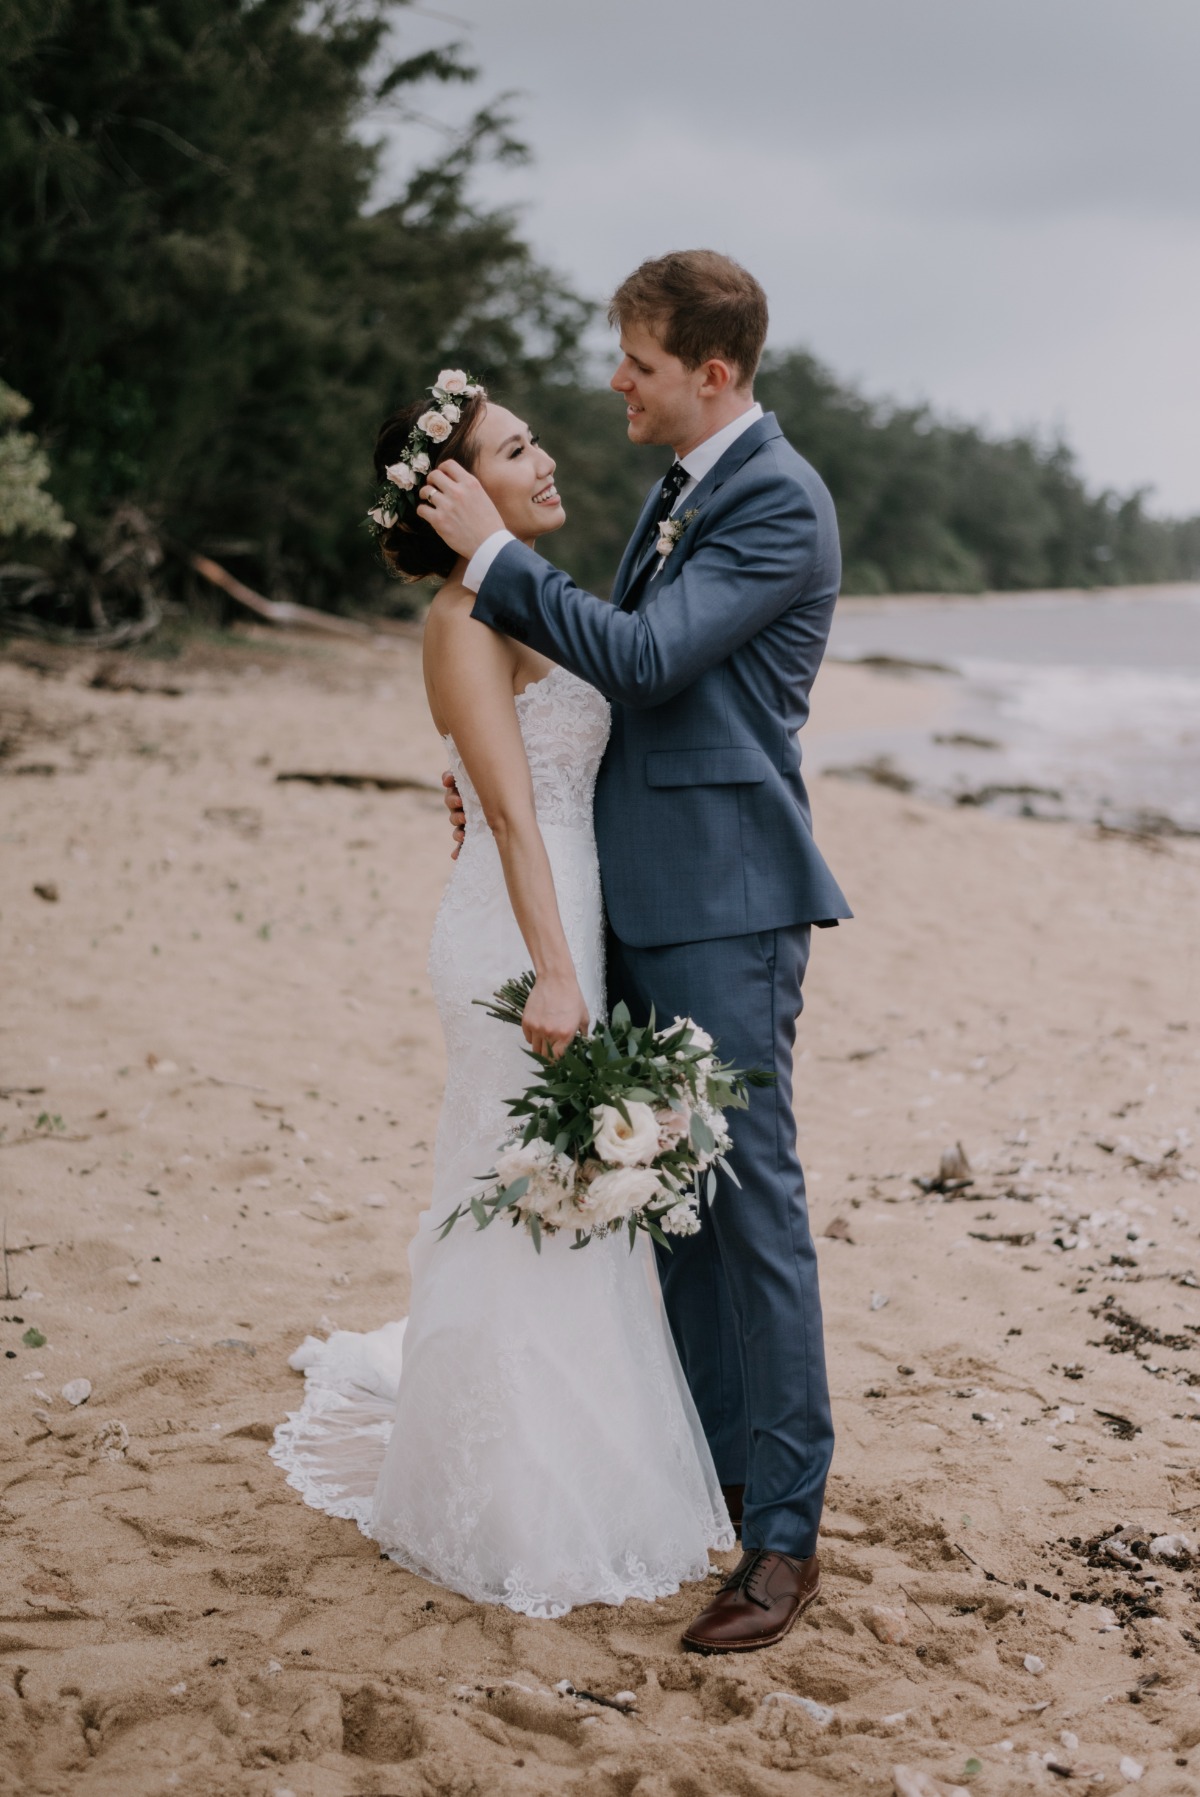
[674, 481]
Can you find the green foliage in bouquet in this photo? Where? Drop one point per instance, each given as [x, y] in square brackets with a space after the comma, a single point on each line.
[626, 1128]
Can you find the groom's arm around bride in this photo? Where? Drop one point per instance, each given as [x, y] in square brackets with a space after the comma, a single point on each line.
[708, 652]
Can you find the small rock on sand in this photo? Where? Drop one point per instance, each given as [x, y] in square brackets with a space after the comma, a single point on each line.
[77, 1391]
[889, 1625]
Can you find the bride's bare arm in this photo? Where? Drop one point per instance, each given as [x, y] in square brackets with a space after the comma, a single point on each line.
[469, 670]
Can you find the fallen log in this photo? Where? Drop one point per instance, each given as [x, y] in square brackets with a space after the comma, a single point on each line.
[283, 612]
[380, 782]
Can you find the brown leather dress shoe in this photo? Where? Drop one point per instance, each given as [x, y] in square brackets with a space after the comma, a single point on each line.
[757, 1604]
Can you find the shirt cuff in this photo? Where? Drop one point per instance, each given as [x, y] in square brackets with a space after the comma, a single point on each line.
[483, 558]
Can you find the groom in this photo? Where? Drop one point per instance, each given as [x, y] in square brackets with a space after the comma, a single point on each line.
[712, 881]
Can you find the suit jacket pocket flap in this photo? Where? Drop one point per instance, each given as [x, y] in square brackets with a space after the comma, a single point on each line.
[705, 767]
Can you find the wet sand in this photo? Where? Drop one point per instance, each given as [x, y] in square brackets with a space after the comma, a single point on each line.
[219, 1078]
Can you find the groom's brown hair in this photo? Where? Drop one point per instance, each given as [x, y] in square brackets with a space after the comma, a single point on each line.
[700, 305]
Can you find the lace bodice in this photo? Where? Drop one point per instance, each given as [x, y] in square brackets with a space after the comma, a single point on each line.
[564, 725]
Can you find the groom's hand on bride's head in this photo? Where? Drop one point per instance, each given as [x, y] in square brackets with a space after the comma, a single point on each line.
[459, 509]
[458, 816]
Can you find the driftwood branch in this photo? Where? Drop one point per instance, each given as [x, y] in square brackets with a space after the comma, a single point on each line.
[282, 612]
[380, 782]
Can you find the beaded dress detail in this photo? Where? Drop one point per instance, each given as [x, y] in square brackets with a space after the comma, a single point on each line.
[525, 1436]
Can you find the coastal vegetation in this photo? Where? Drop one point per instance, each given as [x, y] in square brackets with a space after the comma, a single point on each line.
[231, 243]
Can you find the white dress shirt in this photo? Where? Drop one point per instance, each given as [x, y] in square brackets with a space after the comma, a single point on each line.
[697, 462]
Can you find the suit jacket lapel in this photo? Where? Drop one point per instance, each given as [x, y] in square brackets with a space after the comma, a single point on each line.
[625, 572]
[631, 578]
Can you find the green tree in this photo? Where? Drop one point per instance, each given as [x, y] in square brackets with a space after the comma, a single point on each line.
[199, 287]
[26, 509]
[935, 507]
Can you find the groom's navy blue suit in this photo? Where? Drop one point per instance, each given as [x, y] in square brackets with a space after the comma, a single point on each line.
[712, 882]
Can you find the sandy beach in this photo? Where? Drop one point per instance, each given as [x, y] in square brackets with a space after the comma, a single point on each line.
[220, 1068]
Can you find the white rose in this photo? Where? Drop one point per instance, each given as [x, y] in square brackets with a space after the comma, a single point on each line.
[613, 1195]
[629, 1144]
[401, 475]
[453, 413]
[471, 391]
[452, 380]
[385, 520]
[421, 463]
[666, 543]
[700, 1038]
[433, 425]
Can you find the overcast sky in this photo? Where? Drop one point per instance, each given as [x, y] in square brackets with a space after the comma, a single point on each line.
[993, 205]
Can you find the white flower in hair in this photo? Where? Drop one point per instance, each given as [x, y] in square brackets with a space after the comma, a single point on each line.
[452, 412]
[453, 380]
[434, 425]
[401, 475]
[421, 462]
[385, 520]
[471, 391]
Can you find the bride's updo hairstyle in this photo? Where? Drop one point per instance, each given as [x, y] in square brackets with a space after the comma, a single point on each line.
[411, 547]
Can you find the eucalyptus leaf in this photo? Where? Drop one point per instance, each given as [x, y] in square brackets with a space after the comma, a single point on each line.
[702, 1138]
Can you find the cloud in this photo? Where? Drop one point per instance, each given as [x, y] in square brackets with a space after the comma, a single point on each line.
[988, 203]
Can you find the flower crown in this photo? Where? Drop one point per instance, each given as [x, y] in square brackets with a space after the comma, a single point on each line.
[397, 493]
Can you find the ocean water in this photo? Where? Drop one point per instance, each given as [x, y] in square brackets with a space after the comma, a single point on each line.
[1052, 705]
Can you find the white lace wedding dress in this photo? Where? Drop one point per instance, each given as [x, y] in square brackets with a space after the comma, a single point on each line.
[525, 1436]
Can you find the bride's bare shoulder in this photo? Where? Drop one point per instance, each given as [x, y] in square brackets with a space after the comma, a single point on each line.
[461, 656]
[451, 630]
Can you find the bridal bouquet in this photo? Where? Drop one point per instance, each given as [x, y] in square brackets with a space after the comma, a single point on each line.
[625, 1129]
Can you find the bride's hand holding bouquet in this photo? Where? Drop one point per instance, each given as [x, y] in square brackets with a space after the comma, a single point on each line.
[624, 1128]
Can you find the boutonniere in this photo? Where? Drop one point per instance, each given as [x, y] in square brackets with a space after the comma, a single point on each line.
[670, 531]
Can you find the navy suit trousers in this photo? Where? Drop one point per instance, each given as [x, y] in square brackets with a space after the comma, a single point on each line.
[742, 1295]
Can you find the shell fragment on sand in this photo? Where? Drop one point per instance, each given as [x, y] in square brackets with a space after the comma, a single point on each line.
[820, 1713]
[1170, 1547]
[77, 1391]
[907, 1782]
[111, 1440]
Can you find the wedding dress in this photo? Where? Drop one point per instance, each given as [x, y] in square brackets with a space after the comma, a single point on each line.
[525, 1436]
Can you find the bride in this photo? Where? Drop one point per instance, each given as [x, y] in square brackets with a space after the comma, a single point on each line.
[525, 1436]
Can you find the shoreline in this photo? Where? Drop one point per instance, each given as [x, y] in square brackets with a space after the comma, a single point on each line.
[221, 1067]
[1032, 596]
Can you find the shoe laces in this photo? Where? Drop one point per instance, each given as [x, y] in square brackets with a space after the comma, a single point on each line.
[749, 1577]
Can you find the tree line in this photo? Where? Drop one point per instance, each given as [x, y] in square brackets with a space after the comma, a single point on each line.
[211, 291]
